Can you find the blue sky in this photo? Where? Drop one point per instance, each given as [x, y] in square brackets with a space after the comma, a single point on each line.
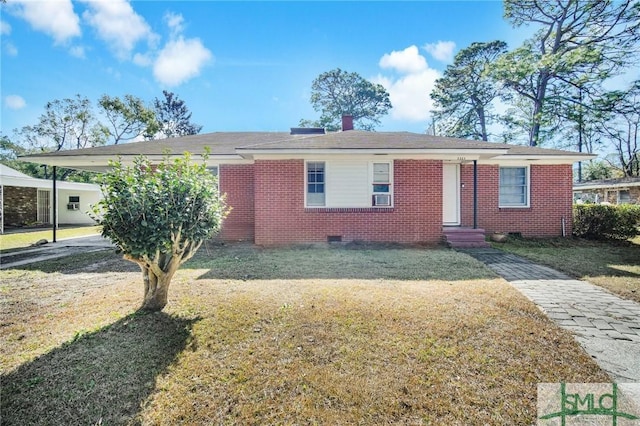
[239, 66]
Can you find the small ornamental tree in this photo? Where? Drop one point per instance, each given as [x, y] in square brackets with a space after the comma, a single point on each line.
[158, 216]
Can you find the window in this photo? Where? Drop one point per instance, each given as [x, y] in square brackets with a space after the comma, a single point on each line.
[381, 184]
[381, 178]
[74, 202]
[514, 187]
[215, 172]
[315, 184]
[624, 197]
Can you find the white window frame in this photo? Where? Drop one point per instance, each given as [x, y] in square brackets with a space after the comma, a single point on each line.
[215, 167]
[617, 191]
[306, 185]
[527, 187]
[373, 193]
[628, 200]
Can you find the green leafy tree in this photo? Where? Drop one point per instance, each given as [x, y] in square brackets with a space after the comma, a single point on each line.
[577, 42]
[65, 124]
[338, 92]
[173, 116]
[159, 215]
[596, 170]
[128, 118]
[464, 94]
[68, 123]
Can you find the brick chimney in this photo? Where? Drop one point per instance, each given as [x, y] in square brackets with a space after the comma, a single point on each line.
[347, 122]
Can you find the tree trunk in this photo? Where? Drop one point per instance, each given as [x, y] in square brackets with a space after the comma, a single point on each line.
[534, 133]
[156, 290]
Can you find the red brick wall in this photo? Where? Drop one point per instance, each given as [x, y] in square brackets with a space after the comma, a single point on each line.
[236, 181]
[551, 199]
[281, 218]
[20, 205]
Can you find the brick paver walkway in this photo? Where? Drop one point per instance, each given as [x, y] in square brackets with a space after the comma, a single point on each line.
[607, 326]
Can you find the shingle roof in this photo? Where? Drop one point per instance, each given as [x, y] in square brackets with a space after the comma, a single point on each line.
[235, 144]
[358, 139]
[219, 143]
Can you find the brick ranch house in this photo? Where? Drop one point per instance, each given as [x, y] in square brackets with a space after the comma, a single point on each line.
[613, 191]
[308, 186]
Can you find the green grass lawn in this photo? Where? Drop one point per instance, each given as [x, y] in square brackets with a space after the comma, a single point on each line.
[25, 239]
[324, 335]
[612, 265]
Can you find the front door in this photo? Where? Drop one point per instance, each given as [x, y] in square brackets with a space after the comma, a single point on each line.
[450, 194]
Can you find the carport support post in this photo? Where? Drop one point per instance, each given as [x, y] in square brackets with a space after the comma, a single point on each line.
[475, 194]
[55, 205]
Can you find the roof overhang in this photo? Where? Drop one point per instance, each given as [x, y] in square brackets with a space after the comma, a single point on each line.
[620, 185]
[440, 154]
[47, 184]
[558, 159]
[100, 163]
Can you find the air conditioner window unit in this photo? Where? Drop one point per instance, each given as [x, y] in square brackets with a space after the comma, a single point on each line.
[382, 200]
[73, 206]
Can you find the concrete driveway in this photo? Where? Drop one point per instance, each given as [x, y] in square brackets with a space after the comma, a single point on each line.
[61, 248]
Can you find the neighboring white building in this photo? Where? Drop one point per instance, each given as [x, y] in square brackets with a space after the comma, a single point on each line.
[27, 201]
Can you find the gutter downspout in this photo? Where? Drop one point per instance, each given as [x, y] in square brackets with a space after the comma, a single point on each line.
[475, 194]
[55, 205]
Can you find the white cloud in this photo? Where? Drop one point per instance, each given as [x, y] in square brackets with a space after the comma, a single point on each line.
[10, 48]
[77, 51]
[115, 73]
[409, 92]
[53, 17]
[404, 61]
[180, 60]
[175, 23]
[118, 25]
[142, 60]
[5, 28]
[14, 102]
[442, 50]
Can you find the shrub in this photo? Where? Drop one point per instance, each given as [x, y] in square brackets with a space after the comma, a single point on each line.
[159, 215]
[601, 221]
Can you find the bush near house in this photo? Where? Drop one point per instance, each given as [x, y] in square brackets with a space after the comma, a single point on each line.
[601, 221]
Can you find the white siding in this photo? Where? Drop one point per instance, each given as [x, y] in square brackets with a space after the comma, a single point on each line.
[348, 183]
[80, 216]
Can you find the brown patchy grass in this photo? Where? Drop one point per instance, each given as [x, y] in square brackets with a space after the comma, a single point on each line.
[287, 336]
[612, 265]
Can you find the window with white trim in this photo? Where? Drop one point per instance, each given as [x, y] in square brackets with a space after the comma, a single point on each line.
[381, 185]
[213, 170]
[514, 187]
[316, 183]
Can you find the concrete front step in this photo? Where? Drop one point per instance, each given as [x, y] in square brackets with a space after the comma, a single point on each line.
[468, 244]
[464, 237]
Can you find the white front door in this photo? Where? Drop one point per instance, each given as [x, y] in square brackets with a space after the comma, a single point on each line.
[450, 194]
